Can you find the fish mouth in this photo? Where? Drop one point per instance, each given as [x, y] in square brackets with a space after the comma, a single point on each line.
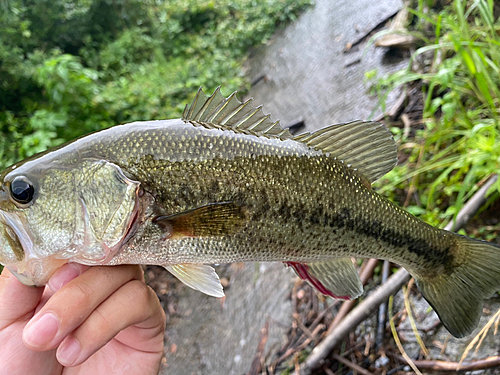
[15, 233]
[18, 255]
[16, 247]
[18, 252]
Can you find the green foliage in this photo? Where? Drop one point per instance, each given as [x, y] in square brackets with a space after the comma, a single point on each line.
[460, 145]
[71, 67]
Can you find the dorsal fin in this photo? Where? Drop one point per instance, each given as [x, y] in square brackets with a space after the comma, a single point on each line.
[216, 111]
[366, 146]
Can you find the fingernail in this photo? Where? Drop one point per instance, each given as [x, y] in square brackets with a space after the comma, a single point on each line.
[68, 352]
[64, 275]
[42, 331]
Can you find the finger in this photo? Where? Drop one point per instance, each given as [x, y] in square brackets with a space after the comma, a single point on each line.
[61, 277]
[65, 274]
[17, 299]
[135, 306]
[74, 302]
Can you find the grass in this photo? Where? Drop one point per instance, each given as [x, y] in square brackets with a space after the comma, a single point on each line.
[459, 147]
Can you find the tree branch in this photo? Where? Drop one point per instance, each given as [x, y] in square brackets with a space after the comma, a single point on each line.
[480, 364]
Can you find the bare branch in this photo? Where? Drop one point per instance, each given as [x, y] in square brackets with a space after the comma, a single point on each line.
[256, 363]
[456, 366]
[472, 205]
[352, 365]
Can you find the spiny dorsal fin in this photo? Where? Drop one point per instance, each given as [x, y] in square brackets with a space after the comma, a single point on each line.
[216, 111]
[366, 146]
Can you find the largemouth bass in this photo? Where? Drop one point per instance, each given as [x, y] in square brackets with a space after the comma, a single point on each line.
[225, 184]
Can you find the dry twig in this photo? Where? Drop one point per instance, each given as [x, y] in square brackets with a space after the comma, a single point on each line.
[367, 33]
[379, 340]
[294, 350]
[396, 108]
[406, 293]
[351, 365]
[398, 342]
[257, 360]
[407, 125]
[472, 205]
[481, 364]
[414, 180]
[478, 340]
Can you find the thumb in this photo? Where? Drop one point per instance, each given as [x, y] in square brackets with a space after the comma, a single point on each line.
[16, 299]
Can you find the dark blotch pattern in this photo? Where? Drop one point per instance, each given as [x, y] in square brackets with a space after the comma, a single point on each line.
[297, 208]
[375, 229]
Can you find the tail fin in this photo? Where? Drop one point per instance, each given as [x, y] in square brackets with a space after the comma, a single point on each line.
[458, 298]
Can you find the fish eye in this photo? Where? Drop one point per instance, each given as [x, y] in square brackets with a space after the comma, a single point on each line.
[22, 189]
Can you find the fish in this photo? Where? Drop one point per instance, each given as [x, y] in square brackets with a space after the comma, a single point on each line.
[226, 184]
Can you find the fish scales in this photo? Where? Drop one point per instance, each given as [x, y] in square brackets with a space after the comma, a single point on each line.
[309, 207]
[226, 184]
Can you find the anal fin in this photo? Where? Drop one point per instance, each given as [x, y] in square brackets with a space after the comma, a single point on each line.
[336, 277]
[198, 276]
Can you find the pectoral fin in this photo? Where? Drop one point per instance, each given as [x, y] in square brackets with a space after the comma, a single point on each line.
[214, 219]
[336, 278]
[198, 276]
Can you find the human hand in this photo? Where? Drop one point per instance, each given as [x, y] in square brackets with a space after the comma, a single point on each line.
[88, 320]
